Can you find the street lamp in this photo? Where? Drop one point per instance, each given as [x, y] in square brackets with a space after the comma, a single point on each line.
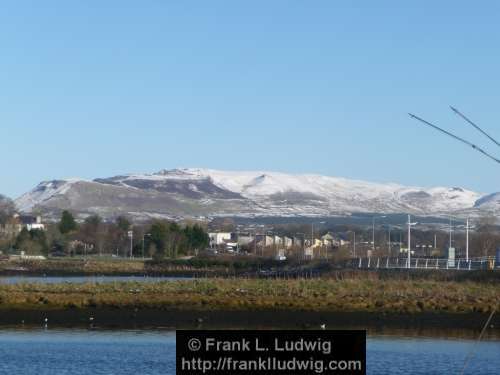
[130, 235]
[409, 239]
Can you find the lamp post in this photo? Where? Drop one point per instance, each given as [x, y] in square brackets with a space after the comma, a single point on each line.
[130, 235]
[467, 241]
[409, 240]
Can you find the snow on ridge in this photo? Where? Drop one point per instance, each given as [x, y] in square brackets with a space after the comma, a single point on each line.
[44, 191]
[341, 194]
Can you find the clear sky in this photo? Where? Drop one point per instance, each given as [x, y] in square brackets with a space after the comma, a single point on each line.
[98, 88]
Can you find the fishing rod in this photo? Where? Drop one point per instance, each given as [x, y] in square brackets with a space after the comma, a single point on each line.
[477, 148]
[475, 126]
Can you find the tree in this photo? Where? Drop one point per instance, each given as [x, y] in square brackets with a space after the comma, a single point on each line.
[486, 235]
[67, 223]
[123, 223]
[159, 233]
[196, 237]
[32, 242]
[93, 232]
[7, 209]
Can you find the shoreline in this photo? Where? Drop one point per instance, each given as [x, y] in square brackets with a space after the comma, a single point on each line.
[422, 324]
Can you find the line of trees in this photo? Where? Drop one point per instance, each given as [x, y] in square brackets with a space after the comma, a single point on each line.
[95, 236]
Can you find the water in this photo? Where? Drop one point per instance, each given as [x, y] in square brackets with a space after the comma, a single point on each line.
[82, 352]
[78, 352]
[417, 355]
[83, 279]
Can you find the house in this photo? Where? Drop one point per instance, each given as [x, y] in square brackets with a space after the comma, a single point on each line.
[31, 222]
[287, 242]
[16, 224]
[329, 240]
[219, 238]
[264, 240]
[298, 241]
[245, 239]
[309, 253]
[278, 241]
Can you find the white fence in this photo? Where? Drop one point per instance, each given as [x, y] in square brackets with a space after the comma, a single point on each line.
[484, 263]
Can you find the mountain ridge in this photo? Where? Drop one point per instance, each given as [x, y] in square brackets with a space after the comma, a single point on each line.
[194, 192]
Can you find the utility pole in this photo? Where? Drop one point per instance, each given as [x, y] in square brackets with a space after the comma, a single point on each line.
[312, 236]
[373, 235]
[409, 241]
[400, 242]
[450, 232]
[131, 236]
[467, 241]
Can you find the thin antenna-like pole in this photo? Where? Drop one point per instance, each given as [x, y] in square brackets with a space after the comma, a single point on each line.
[456, 137]
[472, 352]
[475, 126]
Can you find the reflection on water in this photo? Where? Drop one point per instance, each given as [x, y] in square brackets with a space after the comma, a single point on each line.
[84, 279]
[85, 352]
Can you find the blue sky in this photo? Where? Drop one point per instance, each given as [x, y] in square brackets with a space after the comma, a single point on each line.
[98, 88]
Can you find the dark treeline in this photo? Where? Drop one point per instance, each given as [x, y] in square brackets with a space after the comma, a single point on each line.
[159, 239]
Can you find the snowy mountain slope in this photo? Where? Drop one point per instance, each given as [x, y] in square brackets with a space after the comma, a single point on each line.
[207, 192]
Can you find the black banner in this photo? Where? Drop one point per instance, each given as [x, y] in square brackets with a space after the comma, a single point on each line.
[271, 352]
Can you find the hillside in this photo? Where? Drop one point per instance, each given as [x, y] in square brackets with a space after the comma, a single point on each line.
[203, 192]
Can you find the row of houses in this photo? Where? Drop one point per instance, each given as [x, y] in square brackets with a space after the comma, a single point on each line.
[235, 241]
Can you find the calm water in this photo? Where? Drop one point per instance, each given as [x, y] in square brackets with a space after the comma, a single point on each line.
[153, 352]
[83, 279]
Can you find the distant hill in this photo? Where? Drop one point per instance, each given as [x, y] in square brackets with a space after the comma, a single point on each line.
[182, 193]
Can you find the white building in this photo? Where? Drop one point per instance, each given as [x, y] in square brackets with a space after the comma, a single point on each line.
[219, 238]
[287, 242]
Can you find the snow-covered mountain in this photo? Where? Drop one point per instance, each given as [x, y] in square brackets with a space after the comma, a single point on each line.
[206, 192]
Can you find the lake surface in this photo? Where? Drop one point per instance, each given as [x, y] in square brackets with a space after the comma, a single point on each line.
[82, 352]
[84, 279]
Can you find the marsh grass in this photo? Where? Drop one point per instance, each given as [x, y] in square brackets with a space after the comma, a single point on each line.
[365, 295]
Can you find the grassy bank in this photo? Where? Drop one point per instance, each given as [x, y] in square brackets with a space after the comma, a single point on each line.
[230, 267]
[318, 295]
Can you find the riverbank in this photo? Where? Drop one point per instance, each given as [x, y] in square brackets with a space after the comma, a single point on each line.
[251, 302]
[228, 267]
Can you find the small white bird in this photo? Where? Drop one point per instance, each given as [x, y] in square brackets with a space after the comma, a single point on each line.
[323, 326]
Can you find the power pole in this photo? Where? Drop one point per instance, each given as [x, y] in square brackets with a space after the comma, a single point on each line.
[467, 241]
[450, 233]
[409, 241]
